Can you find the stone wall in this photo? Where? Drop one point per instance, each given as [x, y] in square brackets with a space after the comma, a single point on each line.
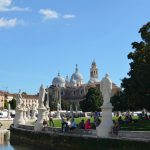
[64, 141]
[135, 134]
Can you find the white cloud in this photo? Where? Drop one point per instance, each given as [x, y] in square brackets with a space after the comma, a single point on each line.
[6, 23]
[49, 14]
[5, 5]
[69, 16]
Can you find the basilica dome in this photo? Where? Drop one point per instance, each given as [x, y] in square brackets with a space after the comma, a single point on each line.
[58, 81]
[73, 82]
[77, 76]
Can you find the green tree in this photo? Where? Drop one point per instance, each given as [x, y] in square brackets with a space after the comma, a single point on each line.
[65, 104]
[93, 100]
[5, 104]
[137, 85]
[119, 102]
[24, 93]
[12, 104]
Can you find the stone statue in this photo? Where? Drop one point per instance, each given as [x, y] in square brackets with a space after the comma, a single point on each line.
[71, 109]
[106, 88]
[105, 127]
[41, 96]
[58, 107]
[19, 101]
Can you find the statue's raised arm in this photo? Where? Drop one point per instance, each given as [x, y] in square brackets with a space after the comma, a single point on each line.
[106, 88]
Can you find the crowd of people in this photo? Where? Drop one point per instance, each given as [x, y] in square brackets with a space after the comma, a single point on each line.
[69, 123]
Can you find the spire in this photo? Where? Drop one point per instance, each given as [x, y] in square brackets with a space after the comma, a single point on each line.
[76, 68]
[58, 74]
[94, 63]
[67, 78]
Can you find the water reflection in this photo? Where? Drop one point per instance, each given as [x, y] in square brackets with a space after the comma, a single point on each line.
[4, 140]
[5, 144]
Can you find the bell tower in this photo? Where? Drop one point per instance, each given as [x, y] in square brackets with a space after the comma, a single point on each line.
[94, 71]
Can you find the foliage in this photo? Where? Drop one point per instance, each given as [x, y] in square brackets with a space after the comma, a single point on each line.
[93, 100]
[24, 93]
[12, 104]
[119, 102]
[137, 85]
[52, 103]
[65, 105]
[5, 104]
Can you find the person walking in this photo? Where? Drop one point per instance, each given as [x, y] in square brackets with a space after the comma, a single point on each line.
[51, 122]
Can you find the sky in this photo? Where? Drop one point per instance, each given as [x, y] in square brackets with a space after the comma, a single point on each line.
[39, 38]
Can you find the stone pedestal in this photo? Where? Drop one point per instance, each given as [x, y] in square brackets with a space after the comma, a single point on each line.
[8, 112]
[33, 115]
[25, 115]
[105, 128]
[19, 118]
[41, 116]
[58, 114]
[28, 114]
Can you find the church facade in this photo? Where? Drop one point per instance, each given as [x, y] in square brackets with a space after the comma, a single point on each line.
[74, 89]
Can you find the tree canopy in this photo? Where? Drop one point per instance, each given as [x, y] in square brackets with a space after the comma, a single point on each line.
[12, 104]
[93, 100]
[136, 87]
[119, 102]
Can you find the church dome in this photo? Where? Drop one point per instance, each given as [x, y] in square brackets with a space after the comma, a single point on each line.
[73, 82]
[58, 81]
[77, 76]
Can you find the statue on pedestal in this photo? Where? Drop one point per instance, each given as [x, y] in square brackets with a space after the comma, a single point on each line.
[41, 110]
[58, 107]
[19, 110]
[104, 129]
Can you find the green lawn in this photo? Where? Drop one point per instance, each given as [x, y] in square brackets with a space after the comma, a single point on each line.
[138, 125]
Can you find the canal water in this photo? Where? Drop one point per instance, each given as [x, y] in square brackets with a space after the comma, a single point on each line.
[5, 144]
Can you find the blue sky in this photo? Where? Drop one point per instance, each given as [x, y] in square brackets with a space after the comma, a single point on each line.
[39, 38]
